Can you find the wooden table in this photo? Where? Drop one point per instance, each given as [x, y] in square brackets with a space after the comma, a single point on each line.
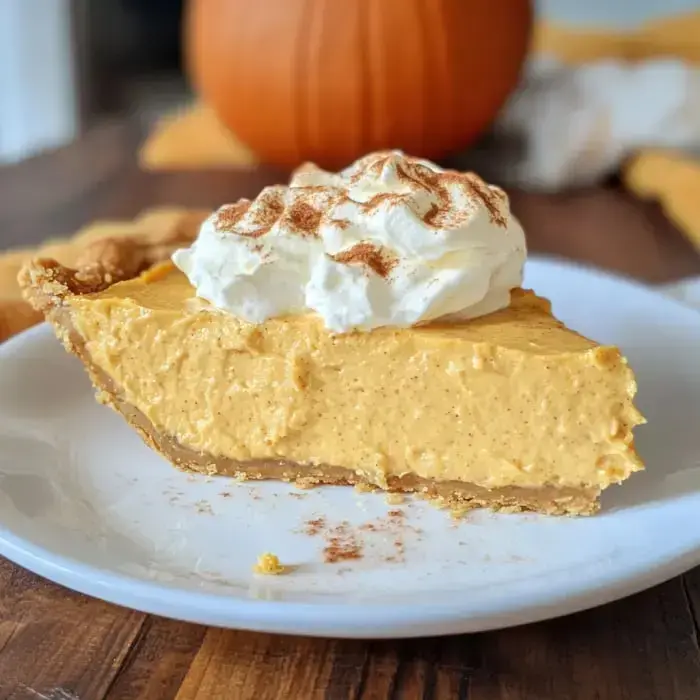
[59, 645]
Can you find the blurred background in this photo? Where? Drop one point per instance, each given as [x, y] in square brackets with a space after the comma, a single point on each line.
[66, 65]
[588, 113]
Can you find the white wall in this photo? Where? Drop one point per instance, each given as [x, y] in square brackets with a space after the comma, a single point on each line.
[38, 105]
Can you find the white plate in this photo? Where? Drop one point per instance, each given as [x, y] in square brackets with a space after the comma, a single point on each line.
[85, 503]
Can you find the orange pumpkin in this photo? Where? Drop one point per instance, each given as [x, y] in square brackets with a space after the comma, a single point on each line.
[331, 80]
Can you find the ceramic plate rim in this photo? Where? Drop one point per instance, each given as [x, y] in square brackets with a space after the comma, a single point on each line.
[329, 618]
[311, 619]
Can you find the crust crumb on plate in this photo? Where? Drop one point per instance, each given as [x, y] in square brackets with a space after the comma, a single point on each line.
[394, 499]
[268, 564]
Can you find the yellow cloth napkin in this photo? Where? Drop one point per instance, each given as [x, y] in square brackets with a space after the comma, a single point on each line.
[672, 179]
[676, 36]
[193, 138]
[669, 177]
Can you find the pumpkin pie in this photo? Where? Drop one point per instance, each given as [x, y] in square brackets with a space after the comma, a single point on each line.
[506, 409]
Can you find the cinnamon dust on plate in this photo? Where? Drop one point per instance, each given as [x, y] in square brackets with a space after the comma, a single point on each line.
[344, 542]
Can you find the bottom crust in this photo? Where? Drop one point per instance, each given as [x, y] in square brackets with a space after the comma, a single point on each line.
[461, 496]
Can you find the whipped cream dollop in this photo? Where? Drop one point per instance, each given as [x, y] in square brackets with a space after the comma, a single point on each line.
[389, 241]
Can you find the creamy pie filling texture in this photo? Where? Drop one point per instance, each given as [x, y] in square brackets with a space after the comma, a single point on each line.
[390, 403]
[361, 327]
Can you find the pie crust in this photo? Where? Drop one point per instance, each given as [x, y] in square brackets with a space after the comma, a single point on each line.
[47, 285]
[152, 237]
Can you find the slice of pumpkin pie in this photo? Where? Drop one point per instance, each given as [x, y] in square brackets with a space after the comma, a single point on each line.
[366, 327]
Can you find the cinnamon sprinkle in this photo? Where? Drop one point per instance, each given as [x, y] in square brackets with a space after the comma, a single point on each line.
[338, 550]
[314, 527]
[414, 173]
[269, 207]
[370, 255]
[344, 542]
[430, 217]
[400, 548]
[379, 199]
[442, 213]
[342, 545]
[372, 164]
[229, 215]
[491, 197]
[304, 218]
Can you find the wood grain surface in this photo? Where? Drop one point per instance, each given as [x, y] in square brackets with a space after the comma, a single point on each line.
[60, 645]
